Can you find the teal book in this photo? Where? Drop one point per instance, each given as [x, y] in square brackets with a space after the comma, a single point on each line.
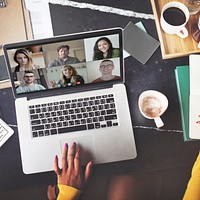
[183, 88]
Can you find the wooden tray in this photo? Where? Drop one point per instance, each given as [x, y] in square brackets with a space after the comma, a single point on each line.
[173, 46]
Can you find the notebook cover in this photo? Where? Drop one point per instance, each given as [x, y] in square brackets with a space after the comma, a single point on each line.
[183, 89]
[4, 73]
[138, 43]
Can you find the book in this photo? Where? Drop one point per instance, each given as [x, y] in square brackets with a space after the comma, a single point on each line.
[194, 108]
[183, 88]
[4, 74]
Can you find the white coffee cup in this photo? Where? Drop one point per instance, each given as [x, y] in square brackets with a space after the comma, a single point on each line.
[152, 104]
[174, 17]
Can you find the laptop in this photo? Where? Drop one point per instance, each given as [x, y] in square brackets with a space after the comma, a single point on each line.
[52, 112]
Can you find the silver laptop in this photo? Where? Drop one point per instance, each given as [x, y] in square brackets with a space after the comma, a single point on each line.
[87, 107]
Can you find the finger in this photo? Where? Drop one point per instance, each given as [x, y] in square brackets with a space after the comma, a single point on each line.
[88, 171]
[64, 157]
[71, 156]
[56, 167]
[77, 163]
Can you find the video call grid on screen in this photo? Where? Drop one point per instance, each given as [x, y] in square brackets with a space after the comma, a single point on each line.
[82, 49]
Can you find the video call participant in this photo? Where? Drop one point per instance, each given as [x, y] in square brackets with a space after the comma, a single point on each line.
[24, 60]
[103, 48]
[106, 67]
[69, 76]
[29, 86]
[64, 58]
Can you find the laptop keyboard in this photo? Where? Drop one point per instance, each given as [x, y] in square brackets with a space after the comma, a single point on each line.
[73, 115]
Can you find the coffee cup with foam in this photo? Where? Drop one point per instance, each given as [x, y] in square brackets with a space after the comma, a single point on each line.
[152, 104]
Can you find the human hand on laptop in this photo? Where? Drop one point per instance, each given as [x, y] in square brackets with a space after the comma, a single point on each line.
[71, 173]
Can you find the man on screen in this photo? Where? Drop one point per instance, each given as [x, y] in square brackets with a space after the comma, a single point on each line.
[64, 58]
[106, 67]
[29, 85]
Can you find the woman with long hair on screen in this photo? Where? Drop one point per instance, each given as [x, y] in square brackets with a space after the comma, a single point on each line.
[69, 76]
[103, 48]
[24, 60]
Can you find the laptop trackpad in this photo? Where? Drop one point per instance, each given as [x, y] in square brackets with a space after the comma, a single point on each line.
[86, 144]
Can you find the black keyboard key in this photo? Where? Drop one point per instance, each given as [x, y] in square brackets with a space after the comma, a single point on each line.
[32, 111]
[103, 126]
[47, 114]
[77, 122]
[35, 122]
[110, 100]
[38, 110]
[47, 126]
[53, 125]
[49, 120]
[36, 128]
[59, 124]
[83, 110]
[79, 116]
[35, 134]
[71, 123]
[41, 115]
[90, 126]
[77, 110]
[44, 121]
[83, 121]
[67, 117]
[85, 103]
[40, 133]
[111, 111]
[53, 131]
[109, 123]
[97, 125]
[33, 117]
[65, 123]
[72, 129]
[47, 132]
[106, 106]
[65, 112]
[110, 117]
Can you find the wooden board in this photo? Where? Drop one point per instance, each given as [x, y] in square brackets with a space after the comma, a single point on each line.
[15, 23]
[173, 46]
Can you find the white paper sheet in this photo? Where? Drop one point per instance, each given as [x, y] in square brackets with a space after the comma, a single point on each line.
[194, 105]
[40, 18]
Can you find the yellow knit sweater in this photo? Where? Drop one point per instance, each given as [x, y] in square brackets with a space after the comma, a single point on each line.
[193, 188]
[68, 193]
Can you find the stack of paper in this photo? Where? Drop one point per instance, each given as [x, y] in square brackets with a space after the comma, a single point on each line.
[188, 82]
[194, 104]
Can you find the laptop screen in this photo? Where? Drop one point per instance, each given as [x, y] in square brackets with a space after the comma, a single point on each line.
[66, 61]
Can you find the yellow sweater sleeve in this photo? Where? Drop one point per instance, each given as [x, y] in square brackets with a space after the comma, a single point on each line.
[67, 193]
[193, 188]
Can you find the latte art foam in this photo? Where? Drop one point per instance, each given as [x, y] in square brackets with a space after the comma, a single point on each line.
[151, 106]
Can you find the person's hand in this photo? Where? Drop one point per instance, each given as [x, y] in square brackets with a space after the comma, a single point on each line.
[71, 173]
[17, 83]
[51, 192]
[53, 84]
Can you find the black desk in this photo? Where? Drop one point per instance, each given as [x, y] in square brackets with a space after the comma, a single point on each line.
[156, 149]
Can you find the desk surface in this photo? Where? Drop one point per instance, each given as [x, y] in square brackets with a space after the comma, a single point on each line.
[156, 149]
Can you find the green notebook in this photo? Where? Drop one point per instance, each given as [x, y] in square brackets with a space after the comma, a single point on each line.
[183, 87]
